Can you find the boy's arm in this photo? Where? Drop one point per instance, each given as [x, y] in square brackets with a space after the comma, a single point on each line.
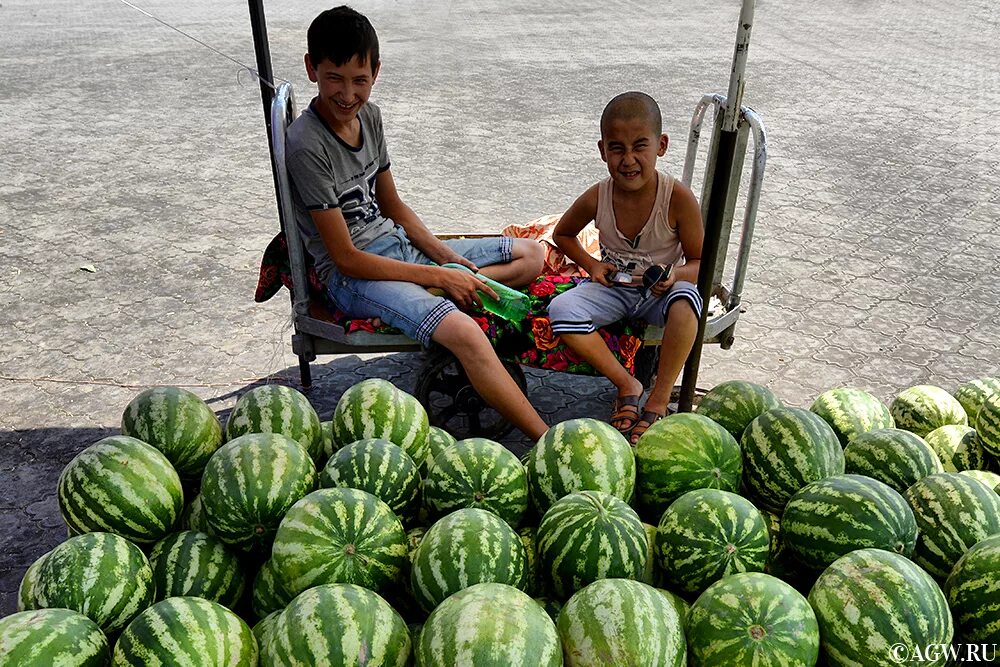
[570, 224]
[393, 207]
[690, 229]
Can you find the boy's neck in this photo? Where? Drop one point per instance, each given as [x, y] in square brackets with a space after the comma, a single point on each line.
[349, 131]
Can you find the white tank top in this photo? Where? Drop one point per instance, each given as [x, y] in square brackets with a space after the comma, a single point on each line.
[656, 243]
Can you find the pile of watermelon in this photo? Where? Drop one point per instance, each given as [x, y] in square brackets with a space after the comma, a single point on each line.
[746, 533]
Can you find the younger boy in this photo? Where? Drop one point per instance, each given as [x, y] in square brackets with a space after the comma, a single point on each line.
[370, 249]
[644, 218]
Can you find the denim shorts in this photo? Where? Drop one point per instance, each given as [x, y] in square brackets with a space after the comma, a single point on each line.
[590, 306]
[407, 306]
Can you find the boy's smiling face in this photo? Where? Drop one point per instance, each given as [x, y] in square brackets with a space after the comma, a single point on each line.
[630, 147]
[343, 89]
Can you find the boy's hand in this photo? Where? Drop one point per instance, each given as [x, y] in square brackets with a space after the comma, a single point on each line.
[463, 288]
[662, 287]
[602, 272]
[443, 254]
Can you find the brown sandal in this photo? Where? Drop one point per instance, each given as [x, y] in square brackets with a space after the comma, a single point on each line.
[647, 419]
[625, 413]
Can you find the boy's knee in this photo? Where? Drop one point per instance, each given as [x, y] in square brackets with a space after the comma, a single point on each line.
[459, 330]
[532, 253]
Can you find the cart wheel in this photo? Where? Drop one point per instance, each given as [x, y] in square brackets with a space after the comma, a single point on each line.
[452, 404]
[646, 361]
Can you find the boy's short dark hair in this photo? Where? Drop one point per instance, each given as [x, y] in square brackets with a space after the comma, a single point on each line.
[340, 34]
[633, 104]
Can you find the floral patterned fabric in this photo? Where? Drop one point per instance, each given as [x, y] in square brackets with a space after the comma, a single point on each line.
[529, 342]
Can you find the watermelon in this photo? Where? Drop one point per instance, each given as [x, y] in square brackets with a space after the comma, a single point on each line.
[337, 624]
[988, 424]
[990, 479]
[275, 408]
[708, 534]
[957, 447]
[590, 535]
[681, 453]
[651, 575]
[45, 637]
[375, 408]
[831, 517]
[469, 546]
[892, 456]
[26, 590]
[380, 468]
[178, 423]
[580, 455]
[263, 629]
[953, 512]
[326, 437]
[121, 485]
[851, 412]
[193, 517]
[335, 536]
[735, 403]
[680, 605]
[100, 575]
[783, 450]
[477, 473]
[923, 408]
[250, 483]
[186, 631]
[972, 394]
[973, 593]
[535, 583]
[871, 600]
[438, 440]
[198, 565]
[489, 625]
[269, 592]
[752, 618]
[551, 607]
[621, 622]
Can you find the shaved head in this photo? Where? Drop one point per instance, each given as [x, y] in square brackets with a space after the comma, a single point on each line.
[630, 106]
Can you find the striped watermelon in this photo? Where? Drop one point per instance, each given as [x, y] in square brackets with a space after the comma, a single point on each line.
[752, 619]
[193, 517]
[590, 535]
[783, 450]
[957, 447]
[535, 582]
[46, 637]
[438, 440]
[275, 408]
[337, 624]
[953, 512]
[469, 546]
[178, 423]
[973, 592]
[551, 607]
[578, 455]
[326, 437]
[335, 536]
[186, 631]
[375, 408]
[892, 456]
[923, 408]
[621, 622]
[250, 483]
[988, 424]
[100, 575]
[990, 479]
[736, 403]
[851, 412]
[972, 394]
[198, 565]
[680, 605]
[477, 473]
[121, 485]
[26, 590]
[681, 453]
[871, 600]
[708, 534]
[380, 468]
[269, 592]
[652, 574]
[831, 517]
[489, 625]
[781, 563]
[263, 629]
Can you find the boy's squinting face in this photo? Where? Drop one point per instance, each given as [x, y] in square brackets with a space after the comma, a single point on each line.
[630, 147]
[343, 89]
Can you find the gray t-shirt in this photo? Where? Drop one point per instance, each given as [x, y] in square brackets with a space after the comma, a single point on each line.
[326, 172]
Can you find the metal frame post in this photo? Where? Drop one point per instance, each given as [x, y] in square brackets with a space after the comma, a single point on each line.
[262, 51]
[718, 197]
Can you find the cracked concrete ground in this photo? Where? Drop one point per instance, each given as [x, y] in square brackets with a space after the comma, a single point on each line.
[132, 150]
